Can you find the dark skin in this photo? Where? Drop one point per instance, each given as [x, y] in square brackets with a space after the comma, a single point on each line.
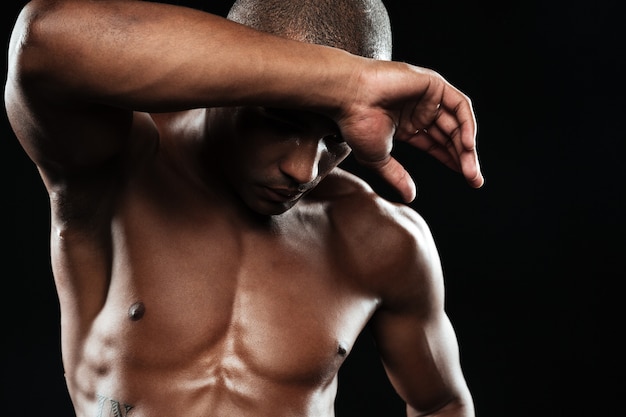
[209, 256]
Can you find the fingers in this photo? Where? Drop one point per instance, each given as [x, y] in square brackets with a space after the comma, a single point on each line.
[432, 142]
[393, 172]
[460, 116]
[462, 137]
[459, 123]
[471, 170]
[447, 133]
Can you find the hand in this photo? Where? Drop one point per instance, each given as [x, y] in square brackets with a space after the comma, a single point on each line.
[415, 105]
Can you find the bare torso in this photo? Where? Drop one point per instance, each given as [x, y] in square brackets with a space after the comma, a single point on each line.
[174, 304]
[175, 299]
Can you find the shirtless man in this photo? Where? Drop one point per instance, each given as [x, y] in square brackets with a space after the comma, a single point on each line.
[210, 258]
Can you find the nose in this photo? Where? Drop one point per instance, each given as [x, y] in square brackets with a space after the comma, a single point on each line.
[301, 161]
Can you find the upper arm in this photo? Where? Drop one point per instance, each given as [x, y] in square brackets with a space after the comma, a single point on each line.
[61, 128]
[414, 336]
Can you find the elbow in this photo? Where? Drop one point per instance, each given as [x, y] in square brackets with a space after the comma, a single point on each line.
[31, 47]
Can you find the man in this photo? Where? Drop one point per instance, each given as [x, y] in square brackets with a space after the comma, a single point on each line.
[209, 256]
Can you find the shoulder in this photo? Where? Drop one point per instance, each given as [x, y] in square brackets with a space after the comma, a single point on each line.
[357, 211]
[380, 241]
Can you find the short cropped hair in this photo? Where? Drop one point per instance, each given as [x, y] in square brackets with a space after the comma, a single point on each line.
[361, 27]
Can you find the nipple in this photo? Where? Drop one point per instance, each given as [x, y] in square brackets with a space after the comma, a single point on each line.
[136, 311]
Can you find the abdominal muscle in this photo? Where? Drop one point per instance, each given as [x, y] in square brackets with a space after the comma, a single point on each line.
[144, 371]
[214, 381]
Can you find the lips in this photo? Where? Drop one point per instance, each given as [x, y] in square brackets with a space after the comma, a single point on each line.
[281, 194]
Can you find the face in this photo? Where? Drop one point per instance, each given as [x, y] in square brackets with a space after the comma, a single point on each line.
[277, 156]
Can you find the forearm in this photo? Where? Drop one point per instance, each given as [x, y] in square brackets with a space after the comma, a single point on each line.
[158, 57]
[121, 55]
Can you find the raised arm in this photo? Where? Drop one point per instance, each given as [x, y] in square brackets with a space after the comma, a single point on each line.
[78, 69]
[415, 338]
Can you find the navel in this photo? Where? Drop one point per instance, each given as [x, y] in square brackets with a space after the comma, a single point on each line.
[341, 350]
[136, 311]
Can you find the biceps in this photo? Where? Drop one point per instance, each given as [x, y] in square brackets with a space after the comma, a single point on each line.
[420, 356]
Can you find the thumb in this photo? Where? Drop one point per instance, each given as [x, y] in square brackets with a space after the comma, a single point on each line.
[395, 175]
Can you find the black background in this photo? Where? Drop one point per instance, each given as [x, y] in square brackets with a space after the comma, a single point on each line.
[532, 260]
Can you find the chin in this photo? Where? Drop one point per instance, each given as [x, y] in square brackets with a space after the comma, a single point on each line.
[270, 208]
[263, 205]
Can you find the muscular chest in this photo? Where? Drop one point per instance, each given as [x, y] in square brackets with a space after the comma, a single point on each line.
[272, 302]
